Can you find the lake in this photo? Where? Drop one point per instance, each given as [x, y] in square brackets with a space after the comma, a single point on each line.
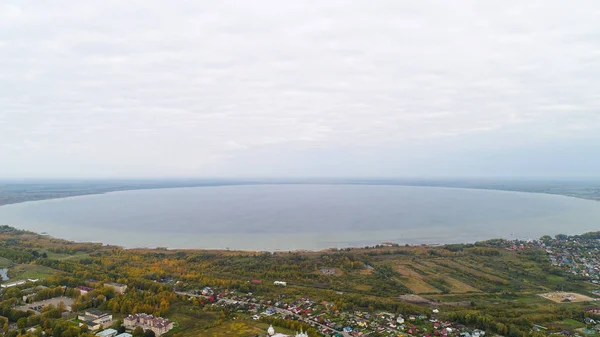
[291, 217]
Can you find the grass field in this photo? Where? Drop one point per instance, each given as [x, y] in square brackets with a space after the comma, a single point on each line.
[192, 321]
[454, 285]
[189, 319]
[60, 256]
[363, 287]
[414, 281]
[25, 271]
[571, 324]
[5, 263]
[483, 272]
[241, 328]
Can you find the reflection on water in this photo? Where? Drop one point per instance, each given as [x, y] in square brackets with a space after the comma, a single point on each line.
[4, 274]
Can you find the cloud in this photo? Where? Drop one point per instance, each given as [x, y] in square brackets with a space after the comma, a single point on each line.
[193, 88]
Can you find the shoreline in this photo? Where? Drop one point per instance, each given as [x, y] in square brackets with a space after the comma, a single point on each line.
[382, 245]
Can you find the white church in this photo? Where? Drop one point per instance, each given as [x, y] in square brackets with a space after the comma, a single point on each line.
[271, 333]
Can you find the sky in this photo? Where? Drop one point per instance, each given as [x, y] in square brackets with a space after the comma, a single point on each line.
[270, 88]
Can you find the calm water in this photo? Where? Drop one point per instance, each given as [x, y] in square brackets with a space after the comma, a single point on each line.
[4, 274]
[289, 217]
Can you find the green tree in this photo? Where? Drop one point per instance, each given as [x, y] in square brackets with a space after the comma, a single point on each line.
[22, 322]
[138, 332]
[149, 333]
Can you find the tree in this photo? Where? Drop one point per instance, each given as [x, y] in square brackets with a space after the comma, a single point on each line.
[149, 333]
[22, 322]
[561, 237]
[138, 332]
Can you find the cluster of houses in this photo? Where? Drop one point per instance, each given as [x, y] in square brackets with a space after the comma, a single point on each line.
[148, 322]
[576, 257]
[330, 322]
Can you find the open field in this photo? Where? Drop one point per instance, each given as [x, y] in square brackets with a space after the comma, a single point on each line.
[570, 324]
[242, 328]
[453, 284]
[414, 281]
[561, 297]
[477, 271]
[25, 271]
[237, 329]
[5, 263]
[190, 319]
[363, 287]
[198, 324]
[60, 257]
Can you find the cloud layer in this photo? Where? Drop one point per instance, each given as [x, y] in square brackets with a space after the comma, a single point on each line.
[196, 88]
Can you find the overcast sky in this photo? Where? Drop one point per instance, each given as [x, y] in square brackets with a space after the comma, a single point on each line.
[277, 88]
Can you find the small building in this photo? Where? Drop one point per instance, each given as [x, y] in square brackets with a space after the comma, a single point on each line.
[95, 319]
[13, 284]
[271, 333]
[107, 333]
[592, 310]
[118, 287]
[84, 290]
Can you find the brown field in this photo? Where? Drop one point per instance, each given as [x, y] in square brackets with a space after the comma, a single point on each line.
[363, 287]
[457, 286]
[366, 271]
[559, 297]
[414, 281]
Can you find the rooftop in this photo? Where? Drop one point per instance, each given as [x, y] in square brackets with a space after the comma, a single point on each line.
[95, 312]
[106, 333]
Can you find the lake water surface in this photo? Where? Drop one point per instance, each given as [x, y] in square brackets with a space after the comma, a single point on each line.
[290, 217]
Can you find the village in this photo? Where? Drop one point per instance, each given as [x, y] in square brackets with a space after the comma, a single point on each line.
[578, 255]
[328, 321]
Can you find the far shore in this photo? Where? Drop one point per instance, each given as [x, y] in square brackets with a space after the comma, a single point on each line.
[40, 196]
